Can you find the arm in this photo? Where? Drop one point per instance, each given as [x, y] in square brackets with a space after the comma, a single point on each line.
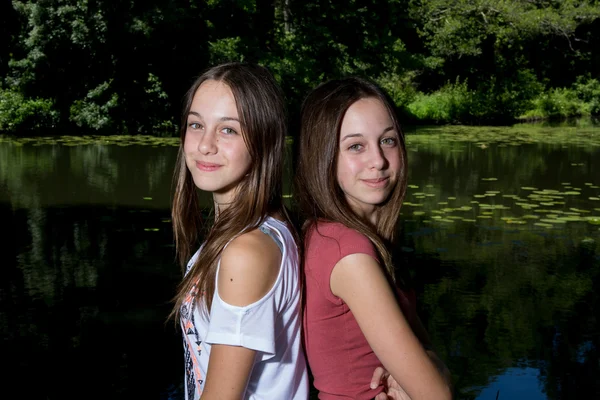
[359, 281]
[240, 284]
[423, 336]
[392, 389]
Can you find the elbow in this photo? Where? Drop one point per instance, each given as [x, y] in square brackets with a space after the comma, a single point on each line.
[446, 392]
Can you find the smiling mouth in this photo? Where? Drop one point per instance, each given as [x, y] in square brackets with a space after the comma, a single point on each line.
[206, 166]
[377, 183]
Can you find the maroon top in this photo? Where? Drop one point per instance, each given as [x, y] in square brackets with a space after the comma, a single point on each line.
[340, 358]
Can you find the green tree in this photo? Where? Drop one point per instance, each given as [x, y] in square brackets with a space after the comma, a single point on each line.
[503, 48]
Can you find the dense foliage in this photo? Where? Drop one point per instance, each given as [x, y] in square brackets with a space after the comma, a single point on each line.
[123, 66]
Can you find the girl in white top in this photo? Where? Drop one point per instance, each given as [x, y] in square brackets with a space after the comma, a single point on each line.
[239, 302]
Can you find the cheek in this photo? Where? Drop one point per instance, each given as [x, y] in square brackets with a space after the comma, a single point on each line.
[347, 168]
[394, 161]
[352, 165]
[240, 155]
[189, 144]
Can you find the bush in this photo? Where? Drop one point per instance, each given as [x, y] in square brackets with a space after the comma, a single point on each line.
[400, 88]
[505, 99]
[20, 114]
[588, 90]
[561, 102]
[93, 112]
[450, 104]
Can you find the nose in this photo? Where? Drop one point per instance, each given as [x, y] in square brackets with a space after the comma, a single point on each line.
[377, 158]
[207, 143]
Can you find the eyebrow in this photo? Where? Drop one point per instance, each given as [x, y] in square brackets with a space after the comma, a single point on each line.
[222, 119]
[353, 135]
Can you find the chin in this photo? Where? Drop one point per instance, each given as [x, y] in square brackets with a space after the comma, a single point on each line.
[202, 184]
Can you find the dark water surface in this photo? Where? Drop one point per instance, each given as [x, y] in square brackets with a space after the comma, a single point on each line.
[500, 236]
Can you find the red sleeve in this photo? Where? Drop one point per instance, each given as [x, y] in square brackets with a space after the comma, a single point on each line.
[326, 245]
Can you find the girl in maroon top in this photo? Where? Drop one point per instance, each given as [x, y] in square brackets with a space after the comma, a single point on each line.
[351, 180]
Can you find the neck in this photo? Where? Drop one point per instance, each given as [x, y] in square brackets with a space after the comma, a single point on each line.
[220, 205]
[369, 215]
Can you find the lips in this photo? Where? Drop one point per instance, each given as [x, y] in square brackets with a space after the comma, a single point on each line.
[206, 166]
[377, 182]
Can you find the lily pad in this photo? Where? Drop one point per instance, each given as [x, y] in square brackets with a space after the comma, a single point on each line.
[553, 220]
[515, 222]
[578, 210]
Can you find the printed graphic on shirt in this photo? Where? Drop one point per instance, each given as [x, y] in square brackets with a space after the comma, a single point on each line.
[192, 351]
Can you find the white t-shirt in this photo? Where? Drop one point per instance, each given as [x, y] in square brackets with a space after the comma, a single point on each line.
[271, 326]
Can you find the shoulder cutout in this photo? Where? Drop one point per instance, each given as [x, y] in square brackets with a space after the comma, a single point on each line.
[249, 268]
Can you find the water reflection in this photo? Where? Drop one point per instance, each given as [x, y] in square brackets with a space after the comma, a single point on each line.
[47, 173]
[84, 295]
[499, 236]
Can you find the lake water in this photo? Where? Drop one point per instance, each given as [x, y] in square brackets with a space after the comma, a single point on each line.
[500, 236]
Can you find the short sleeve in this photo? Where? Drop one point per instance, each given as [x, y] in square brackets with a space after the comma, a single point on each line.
[252, 326]
[329, 243]
[353, 242]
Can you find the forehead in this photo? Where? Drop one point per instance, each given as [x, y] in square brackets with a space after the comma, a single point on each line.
[366, 115]
[213, 94]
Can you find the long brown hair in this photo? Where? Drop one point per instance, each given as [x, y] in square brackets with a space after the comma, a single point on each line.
[261, 109]
[317, 190]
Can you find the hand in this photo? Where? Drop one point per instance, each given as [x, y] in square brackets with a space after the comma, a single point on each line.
[391, 388]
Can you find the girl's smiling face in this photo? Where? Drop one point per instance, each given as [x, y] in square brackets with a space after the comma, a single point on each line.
[215, 151]
[369, 158]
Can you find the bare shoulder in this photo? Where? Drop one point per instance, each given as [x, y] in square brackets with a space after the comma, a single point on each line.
[249, 268]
